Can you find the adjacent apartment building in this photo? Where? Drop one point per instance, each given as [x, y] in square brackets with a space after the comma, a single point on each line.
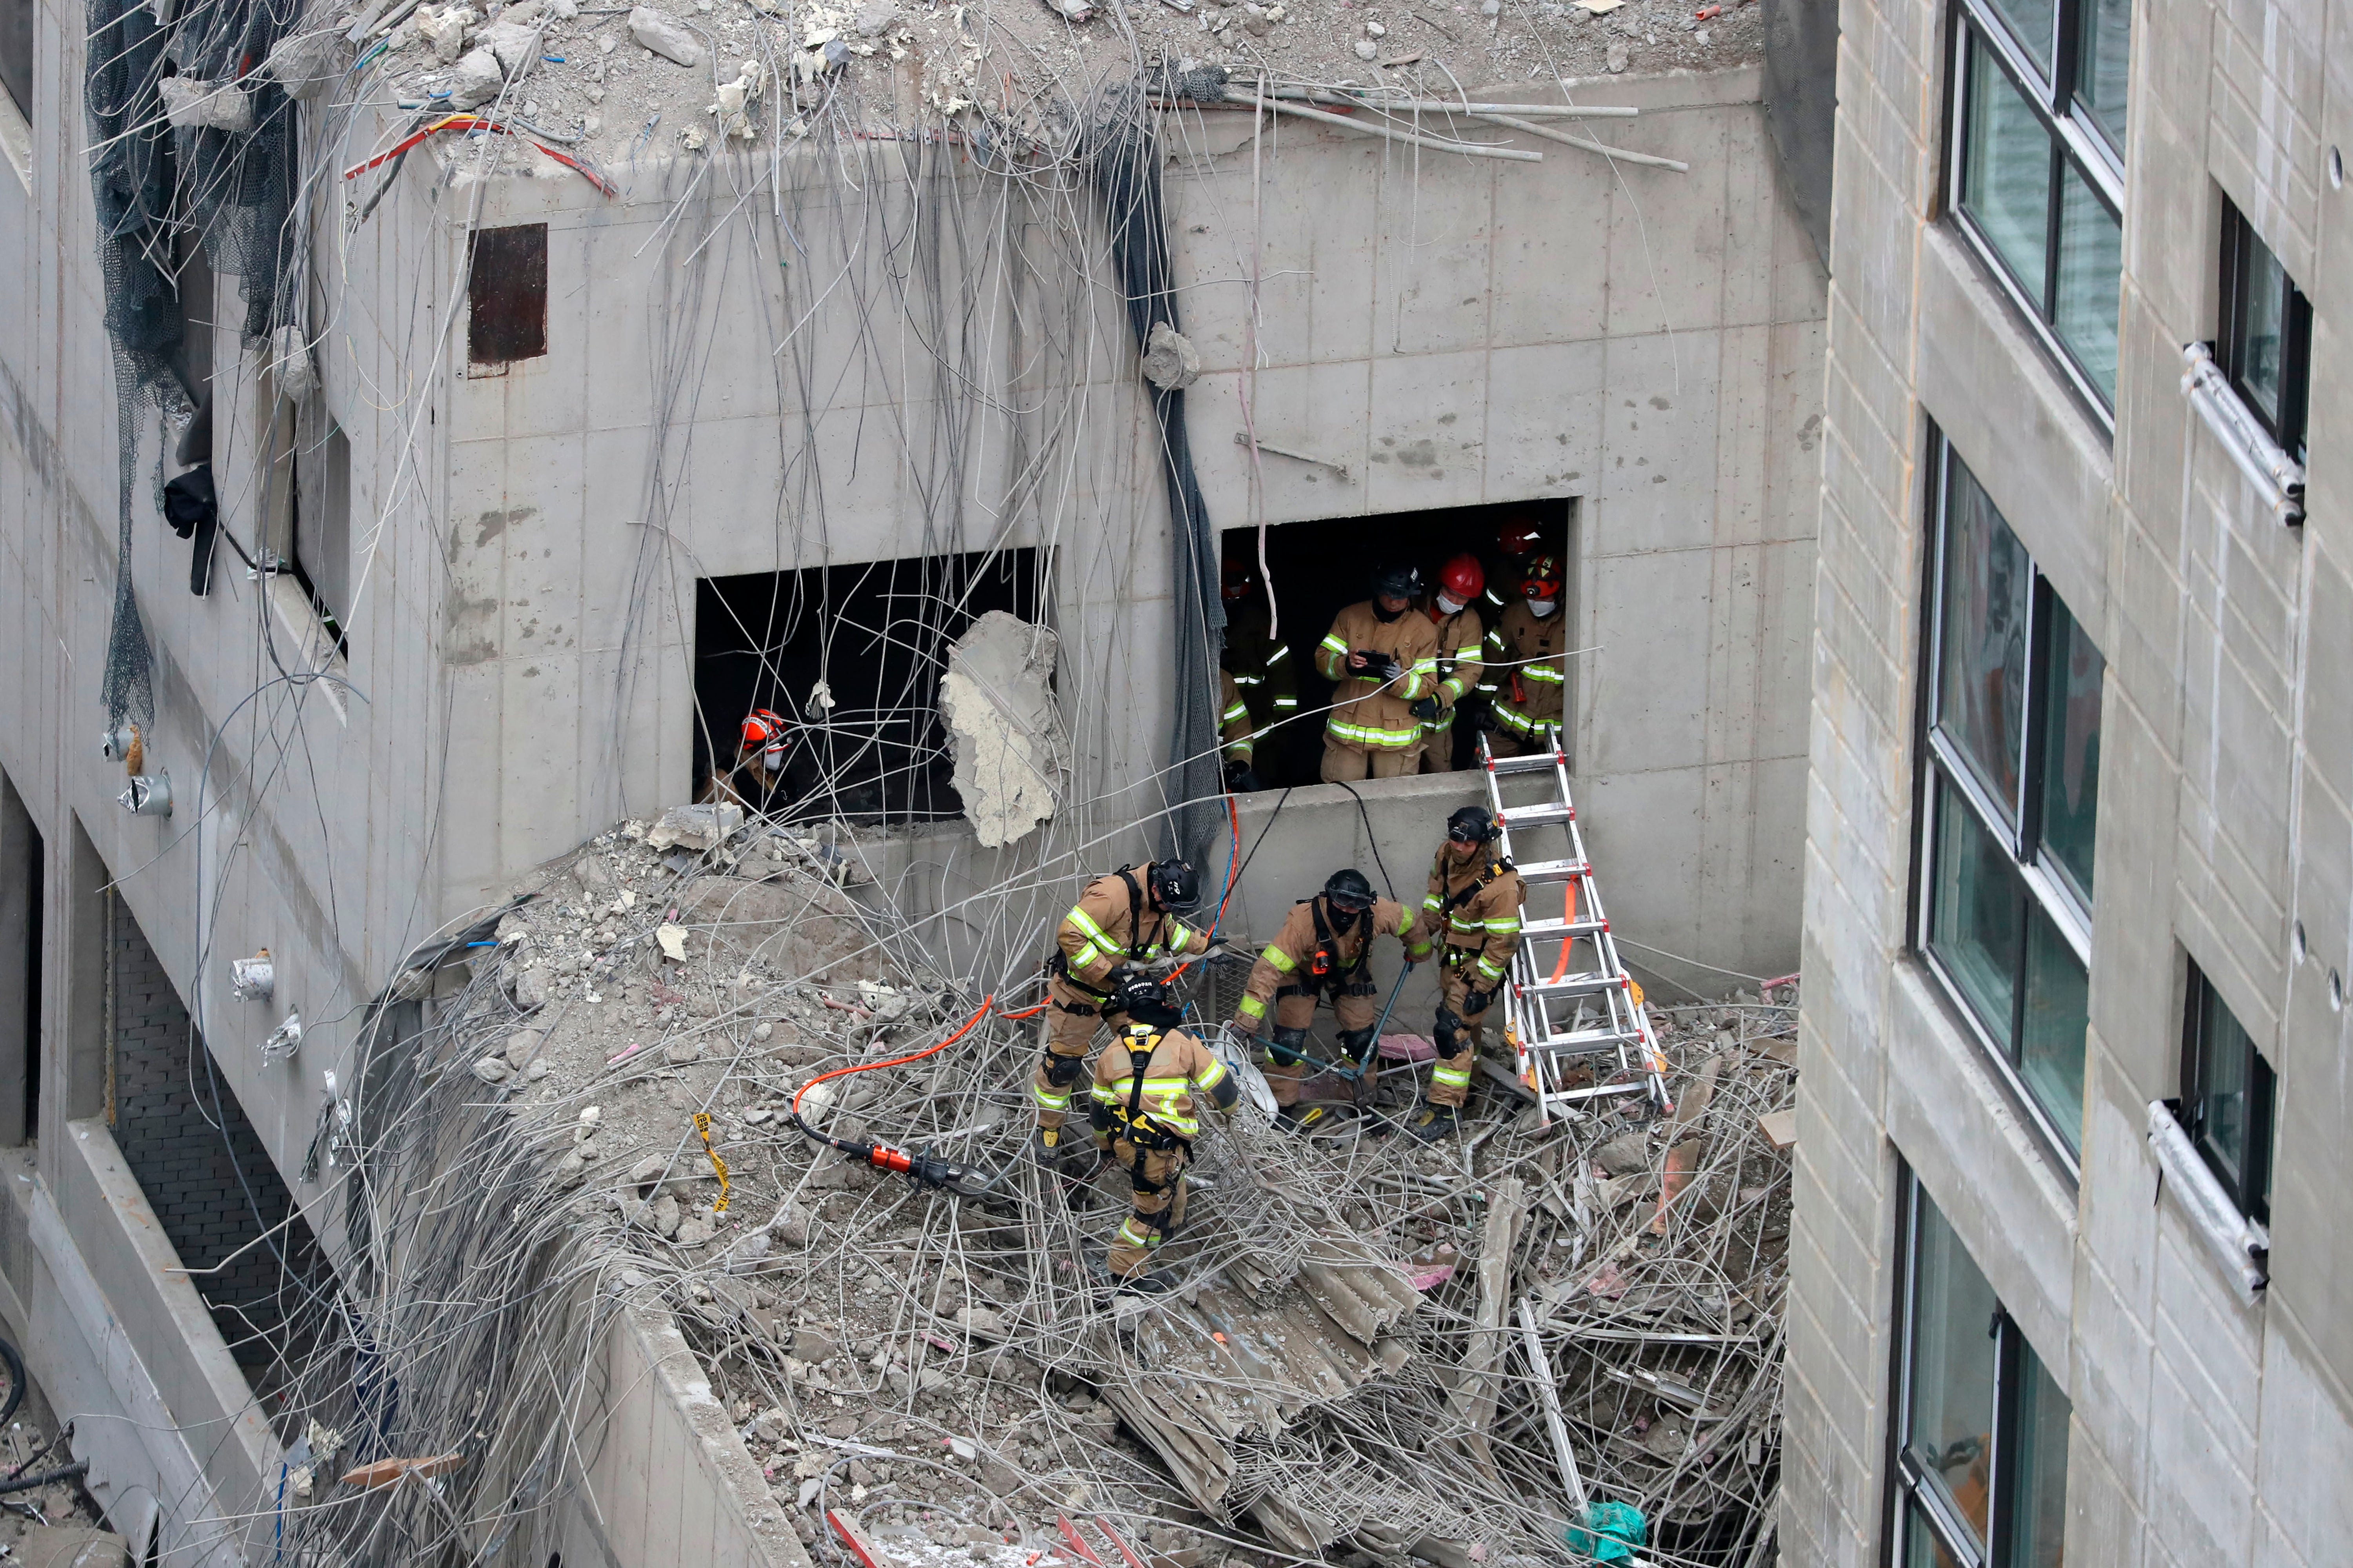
[2065, 1282]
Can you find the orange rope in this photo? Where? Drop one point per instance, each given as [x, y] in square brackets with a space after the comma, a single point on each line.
[987, 1002]
[1568, 915]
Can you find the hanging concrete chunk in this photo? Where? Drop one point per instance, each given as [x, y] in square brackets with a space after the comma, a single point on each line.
[191, 105]
[1170, 360]
[1011, 747]
[665, 34]
[307, 64]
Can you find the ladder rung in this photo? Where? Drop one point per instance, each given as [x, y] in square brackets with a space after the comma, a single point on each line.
[1569, 929]
[1586, 984]
[1540, 763]
[1582, 1044]
[1554, 870]
[1524, 816]
[1595, 1091]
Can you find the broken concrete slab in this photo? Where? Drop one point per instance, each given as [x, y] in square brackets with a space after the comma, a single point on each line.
[666, 36]
[1012, 749]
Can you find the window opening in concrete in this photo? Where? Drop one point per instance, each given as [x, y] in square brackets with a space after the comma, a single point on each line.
[2229, 1102]
[1320, 568]
[192, 361]
[320, 530]
[506, 294]
[2265, 345]
[206, 1172]
[1982, 1462]
[848, 658]
[23, 868]
[2038, 180]
[2011, 800]
[17, 54]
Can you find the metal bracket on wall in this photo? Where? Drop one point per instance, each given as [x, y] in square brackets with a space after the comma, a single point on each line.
[2277, 476]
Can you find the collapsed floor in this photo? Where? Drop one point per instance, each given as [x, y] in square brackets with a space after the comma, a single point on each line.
[1343, 1371]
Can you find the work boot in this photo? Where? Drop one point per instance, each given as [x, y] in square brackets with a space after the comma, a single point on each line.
[1301, 1119]
[1152, 1282]
[1048, 1147]
[1435, 1121]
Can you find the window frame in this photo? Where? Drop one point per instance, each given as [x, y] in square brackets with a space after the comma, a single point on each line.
[2045, 886]
[2249, 1187]
[1909, 1487]
[2288, 430]
[2077, 140]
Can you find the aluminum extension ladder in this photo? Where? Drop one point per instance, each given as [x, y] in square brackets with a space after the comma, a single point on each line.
[1569, 999]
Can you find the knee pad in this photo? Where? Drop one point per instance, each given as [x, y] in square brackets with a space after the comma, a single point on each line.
[1445, 1031]
[1062, 1071]
[1357, 1044]
[1286, 1050]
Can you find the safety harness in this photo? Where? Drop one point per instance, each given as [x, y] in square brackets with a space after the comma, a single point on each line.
[1135, 1122]
[1459, 954]
[1059, 964]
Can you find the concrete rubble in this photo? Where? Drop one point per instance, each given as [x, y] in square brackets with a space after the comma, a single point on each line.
[997, 697]
[610, 1085]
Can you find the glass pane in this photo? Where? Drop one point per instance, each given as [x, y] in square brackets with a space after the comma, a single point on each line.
[2034, 23]
[2262, 326]
[1922, 1548]
[2051, 1035]
[2091, 260]
[1973, 924]
[2223, 1049]
[1981, 645]
[2071, 749]
[2006, 170]
[2038, 1471]
[1948, 1429]
[2103, 52]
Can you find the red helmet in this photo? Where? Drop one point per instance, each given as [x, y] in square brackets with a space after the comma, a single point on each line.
[1462, 578]
[1543, 580]
[763, 730]
[1520, 538]
[1238, 581]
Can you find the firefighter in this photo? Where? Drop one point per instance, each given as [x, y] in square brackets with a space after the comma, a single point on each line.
[1515, 544]
[1261, 663]
[1472, 913]
[1236, 735]
[1119, 924]
[1145, 1106]
[1323, 949]
[1381, 658]
[1535, 676]
[757, 781]
[1453, 613]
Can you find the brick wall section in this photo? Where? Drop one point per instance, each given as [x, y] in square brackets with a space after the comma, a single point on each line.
[188, 1153]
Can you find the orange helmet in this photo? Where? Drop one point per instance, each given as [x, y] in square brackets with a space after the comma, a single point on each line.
[1543, 581]
[1238, 582]
[764, 730]
[1520, 538]
[1462, 578]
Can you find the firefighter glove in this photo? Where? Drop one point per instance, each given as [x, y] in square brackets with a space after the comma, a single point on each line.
[1475, 1003]
[1427, 709]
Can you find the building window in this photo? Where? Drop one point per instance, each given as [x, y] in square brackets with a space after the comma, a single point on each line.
[2012, 800]
[321, 528]
[1981, 1474]
[17, 54]
[2265, 342]
[506, 295]
[2229, 1104]
[2038, 172]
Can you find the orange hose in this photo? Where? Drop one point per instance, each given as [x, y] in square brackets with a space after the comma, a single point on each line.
[987, 1002]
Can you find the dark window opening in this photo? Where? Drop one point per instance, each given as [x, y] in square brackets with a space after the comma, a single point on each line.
[2265, 346]
[2229, 1102]
[17, 53]
[1320, 568]
[192, 361]
[506, 294]
[320, 530]
[870, 639]
[22, 875]
[204, 1170]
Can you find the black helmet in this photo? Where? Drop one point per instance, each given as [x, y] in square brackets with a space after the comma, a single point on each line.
[1397, 582]
[1471, 824]
[1348, 890]
[1176, 886]
[1145, 1000]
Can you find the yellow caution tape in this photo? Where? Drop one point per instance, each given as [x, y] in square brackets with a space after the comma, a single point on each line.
[703, 1125]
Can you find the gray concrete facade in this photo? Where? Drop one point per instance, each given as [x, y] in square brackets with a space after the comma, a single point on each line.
[2203, 1430]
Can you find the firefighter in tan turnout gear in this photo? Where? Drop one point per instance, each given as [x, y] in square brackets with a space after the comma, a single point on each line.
[1473, 912]
[1145, 1105]
[1381, 658]
[1323, 949]
[1120, 924]
[1534, 673]
[1454, 614]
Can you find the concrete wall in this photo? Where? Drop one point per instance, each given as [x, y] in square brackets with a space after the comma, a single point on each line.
[2203, 1431]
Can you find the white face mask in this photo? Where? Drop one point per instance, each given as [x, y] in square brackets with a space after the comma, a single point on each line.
[1449, 606]
[1543, 607]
